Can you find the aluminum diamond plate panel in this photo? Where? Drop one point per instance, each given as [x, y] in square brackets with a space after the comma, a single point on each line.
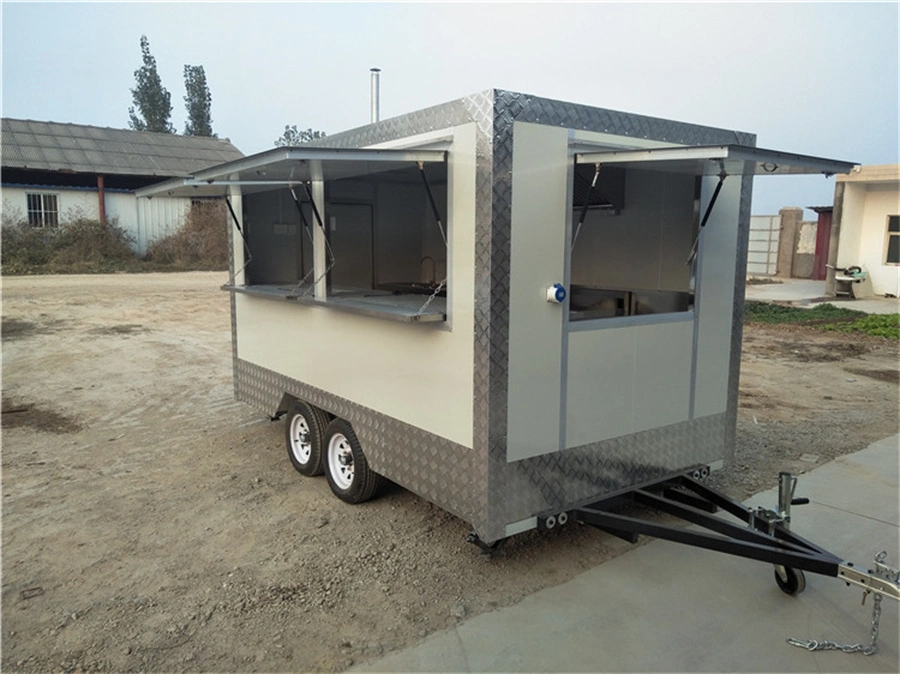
[434, 468]
[560, 480]
[737, 325]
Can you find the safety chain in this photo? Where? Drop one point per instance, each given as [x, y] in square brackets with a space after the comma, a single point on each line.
[826, 645]
[872, 648]
[431, 299]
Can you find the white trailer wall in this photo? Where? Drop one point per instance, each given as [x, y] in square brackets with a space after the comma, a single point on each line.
[419, 374]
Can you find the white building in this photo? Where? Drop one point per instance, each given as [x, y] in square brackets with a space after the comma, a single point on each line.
[867, 226]
[53, 172]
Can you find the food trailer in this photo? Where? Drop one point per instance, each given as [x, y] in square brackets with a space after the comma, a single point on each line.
[517, 308]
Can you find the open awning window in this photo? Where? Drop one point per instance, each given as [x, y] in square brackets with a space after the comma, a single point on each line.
[716, 160]
[284, 167]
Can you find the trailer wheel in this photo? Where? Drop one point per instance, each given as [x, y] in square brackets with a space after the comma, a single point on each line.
[349, 475]
[790, 581]
[303, 433]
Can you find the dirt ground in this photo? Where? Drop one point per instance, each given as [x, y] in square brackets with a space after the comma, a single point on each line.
[151, 523]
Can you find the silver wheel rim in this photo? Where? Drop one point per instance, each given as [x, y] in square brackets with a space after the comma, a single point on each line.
[340, 461]
[301, 447]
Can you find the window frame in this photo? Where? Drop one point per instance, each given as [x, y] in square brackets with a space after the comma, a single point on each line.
[44, 215]
[887, 240]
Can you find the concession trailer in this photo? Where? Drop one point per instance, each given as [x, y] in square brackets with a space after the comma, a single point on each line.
[522, 310]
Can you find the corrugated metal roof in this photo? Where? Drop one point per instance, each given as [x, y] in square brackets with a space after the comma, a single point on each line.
[51, 146]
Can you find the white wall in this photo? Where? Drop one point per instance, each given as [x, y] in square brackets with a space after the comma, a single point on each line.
[154, 218]
[144, 222]
[863, 230]
[70, 203]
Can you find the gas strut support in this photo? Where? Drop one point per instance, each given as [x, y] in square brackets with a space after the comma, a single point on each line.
[332, 260]
[587, 202]
[234, 218]
[237, 225]
[312, 203]
[303, 219]
[709, 207]
[434, 208]
[712, 200]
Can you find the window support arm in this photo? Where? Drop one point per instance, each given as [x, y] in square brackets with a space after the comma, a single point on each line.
[709, 207]
[587, 203]
[303, 219]
[434, 208]
[712, 201]
[315, 210]
[237, 222]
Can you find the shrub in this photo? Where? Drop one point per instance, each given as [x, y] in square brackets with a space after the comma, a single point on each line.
[77, 245]
[24, 247]
[83, 246]
[200, 244]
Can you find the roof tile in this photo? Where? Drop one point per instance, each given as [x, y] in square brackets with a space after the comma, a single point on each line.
[90, 149]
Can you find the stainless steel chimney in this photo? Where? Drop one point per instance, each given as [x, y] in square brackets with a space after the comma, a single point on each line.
[376, 93]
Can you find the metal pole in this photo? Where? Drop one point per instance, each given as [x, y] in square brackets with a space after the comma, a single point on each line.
[376, 94]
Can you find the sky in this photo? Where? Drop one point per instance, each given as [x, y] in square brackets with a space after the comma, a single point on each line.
[811, 78]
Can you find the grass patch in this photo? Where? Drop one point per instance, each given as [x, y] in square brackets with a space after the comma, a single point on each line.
[765, 312]
[825, 317]
[878, 325]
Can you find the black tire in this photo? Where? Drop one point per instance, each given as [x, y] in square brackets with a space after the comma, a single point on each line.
[347, 470]
[790, 581]
[304, 430]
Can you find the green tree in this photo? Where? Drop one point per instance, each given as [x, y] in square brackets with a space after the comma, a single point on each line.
[292, 136]
[152, 102]
[198, 102]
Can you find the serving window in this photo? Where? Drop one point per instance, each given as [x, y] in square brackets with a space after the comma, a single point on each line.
[357, 230]
[632, 235]
[382, 236]
[635, 254]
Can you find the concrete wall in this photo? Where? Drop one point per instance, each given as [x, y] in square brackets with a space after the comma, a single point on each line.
[870, 195]
[762, 253]
[796, 244]
[144, 222]
[805, 254]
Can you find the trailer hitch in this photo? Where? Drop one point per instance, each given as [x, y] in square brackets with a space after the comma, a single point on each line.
[882, 580]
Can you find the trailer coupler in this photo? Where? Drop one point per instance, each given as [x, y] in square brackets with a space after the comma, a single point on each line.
[883, 579]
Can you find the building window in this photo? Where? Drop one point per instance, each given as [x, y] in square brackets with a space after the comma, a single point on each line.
[43, 210]
[892, 245]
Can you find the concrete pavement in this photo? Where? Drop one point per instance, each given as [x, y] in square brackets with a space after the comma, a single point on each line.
[674, 608]
[805, 293]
